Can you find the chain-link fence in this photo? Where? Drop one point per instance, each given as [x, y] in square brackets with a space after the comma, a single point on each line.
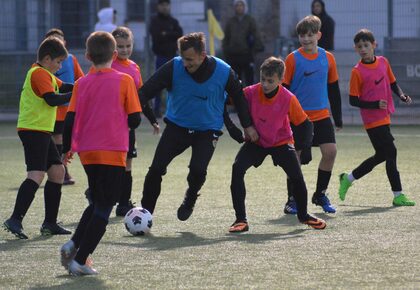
[396, 24]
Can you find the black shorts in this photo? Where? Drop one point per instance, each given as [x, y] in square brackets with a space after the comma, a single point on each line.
[323, 132]
[58, 128]
[380, 137]
[105, 183]
[132, 150]
[40, 150]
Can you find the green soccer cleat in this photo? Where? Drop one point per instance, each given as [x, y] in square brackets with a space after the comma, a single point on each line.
[402, 200]
[344, 186]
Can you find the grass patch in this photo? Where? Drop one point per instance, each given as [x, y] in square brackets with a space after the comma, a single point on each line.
[368, 244]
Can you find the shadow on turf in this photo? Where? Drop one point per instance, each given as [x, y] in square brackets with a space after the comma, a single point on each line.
[12, 243]
[188, 239]
[366, 209]
[90, 282]
[291, 220]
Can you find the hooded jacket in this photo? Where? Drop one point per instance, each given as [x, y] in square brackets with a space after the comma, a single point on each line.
[106, 17]
[241, 36]
[327, 27]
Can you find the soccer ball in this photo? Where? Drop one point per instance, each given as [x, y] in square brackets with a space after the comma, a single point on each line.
[138, 221]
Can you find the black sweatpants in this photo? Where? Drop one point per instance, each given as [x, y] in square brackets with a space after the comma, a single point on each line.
[174, 141]
[284, 156]
[385, 150]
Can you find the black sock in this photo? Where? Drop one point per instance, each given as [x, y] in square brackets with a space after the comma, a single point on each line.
[81, 227]
[52, 197]
[24, 198]
[289, 189]
[126, 189]
[93, 235]
[322, 181]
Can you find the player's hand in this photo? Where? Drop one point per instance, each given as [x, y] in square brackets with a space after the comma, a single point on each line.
[338, 128]
[406, 99]
[251, 134]
[383, 104]
[67, 158]
[306, 156]
[156, 129]
[236, 134]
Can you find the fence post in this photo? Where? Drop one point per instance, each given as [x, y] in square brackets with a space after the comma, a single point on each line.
[390, 18]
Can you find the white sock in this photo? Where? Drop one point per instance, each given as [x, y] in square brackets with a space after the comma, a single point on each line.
[397, 193]
[350, 177]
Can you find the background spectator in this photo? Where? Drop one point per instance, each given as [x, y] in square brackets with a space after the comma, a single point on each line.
[107, 17]
[165, 31]
[242, 40]
[327, 26]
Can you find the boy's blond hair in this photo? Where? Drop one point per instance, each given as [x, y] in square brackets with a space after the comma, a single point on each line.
[309, 24]
[273, 65]
[100, 47]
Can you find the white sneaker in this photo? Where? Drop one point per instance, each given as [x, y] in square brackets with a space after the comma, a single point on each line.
[68, 252]
[76, 269]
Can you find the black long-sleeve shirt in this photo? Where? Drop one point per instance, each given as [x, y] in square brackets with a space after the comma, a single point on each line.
[162, 79]
[356, 102]
[165, 30]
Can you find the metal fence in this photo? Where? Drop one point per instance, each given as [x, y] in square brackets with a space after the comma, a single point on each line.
[24, 23]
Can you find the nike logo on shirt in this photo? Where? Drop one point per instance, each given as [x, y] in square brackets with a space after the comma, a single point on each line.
[307, 74]
[378, 81]
[204, 98]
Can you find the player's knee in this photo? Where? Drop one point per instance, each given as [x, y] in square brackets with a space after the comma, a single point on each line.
[102, 212]
[238, 170]
[196, 175]
[330, 155]
[56, 173]
[391, 153]
[156, 172]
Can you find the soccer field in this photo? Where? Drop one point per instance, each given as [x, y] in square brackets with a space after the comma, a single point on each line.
[368, 243]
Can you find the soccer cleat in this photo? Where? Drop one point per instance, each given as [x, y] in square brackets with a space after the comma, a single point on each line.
[15, 227]
[239, 227]
[290, 206]
[314, 222]
[68, 252]
[186, 208]
[324, 202]
[402, 200]
[344, 185]
[68, 180]
[75, 269]
[49, 229]
[122, 210]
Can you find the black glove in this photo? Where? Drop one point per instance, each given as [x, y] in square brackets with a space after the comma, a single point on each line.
[305, 156]
[236, 134]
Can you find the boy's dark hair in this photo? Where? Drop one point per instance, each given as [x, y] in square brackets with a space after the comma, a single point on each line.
[122, 32]
[100, 47]
[364, 35]
[54, 31]
[271, 66]
[310, 23]
[53, 47]
[196, 40]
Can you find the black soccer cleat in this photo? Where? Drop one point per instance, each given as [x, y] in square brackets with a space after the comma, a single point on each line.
[122, 210]
[14, 226]
[186, 208]
[50, 229]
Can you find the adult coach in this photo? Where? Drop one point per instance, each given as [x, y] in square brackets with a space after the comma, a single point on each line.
[197, 85]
